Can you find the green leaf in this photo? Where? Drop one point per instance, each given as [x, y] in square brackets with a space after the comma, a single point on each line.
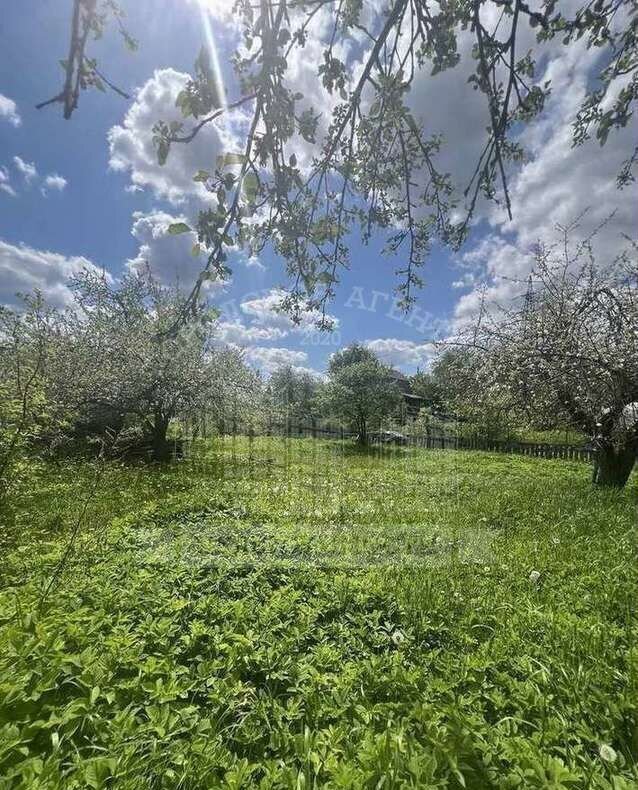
[250, 186]
[163, 147]
[131, 43]
[183, 101]
[178, 227]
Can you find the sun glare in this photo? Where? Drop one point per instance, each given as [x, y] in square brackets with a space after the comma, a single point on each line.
[212, 10]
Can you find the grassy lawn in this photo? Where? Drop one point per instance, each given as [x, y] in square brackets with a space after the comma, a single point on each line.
[298, 614]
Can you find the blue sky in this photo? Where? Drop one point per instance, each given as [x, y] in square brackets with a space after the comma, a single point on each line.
[105, 204]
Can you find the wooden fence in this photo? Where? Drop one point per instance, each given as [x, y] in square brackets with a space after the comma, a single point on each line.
[533, 449]
[429, 441]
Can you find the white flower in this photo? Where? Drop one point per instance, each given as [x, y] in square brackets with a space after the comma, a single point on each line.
[607, 753]
[534, 576]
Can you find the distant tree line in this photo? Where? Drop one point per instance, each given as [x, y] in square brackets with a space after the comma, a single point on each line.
[359, 391]
[116, 367]
[560, 354]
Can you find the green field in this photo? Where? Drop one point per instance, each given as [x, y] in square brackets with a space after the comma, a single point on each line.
[297, 614]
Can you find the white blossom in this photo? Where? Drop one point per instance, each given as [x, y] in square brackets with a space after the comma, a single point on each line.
[607, 753]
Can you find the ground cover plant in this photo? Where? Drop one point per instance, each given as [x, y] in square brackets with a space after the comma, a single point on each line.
[289, 613]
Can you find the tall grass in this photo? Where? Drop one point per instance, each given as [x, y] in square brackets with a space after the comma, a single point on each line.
[295, 613]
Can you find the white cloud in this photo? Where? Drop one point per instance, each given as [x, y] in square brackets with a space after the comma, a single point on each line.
[466, 281]
[29, 172]
[496, 262]
[302, 73]
[269, 359]
[402, 353]
[219, 11]
[132, 150]
[264, 310]
[23, 269]
[130, 142]
[9, 111]
[170, 257]
[257, 318]
[303, 77]
[238, 334]
[5, 185]
[253, 262]
[316, 374]
[54, 181]
[560, 182]
[445, 104]
[557, 183]
[28, 169]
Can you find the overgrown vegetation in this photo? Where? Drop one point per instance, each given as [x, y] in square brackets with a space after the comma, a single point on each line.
[104, 371]
[279, 613]
[296, 613]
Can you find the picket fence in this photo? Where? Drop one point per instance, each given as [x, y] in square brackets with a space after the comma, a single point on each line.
[429, 441]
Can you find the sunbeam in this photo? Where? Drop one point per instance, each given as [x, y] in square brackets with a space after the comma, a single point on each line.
[207, 13]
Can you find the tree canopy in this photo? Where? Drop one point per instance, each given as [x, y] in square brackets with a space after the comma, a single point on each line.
[305, 176]
[565, 352]
[106, 365]
[294, 394]
[360, 390]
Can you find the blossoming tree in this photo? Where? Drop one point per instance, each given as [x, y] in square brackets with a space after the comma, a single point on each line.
[564, 351]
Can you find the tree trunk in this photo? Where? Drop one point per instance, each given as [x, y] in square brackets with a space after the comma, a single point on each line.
[362, 438]
[613, 465]
[160, 445]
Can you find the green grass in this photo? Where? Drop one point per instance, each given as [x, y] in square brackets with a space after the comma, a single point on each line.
[298, 614]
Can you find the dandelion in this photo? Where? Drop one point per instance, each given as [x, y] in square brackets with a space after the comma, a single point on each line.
[607, 753]
[534, 576]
